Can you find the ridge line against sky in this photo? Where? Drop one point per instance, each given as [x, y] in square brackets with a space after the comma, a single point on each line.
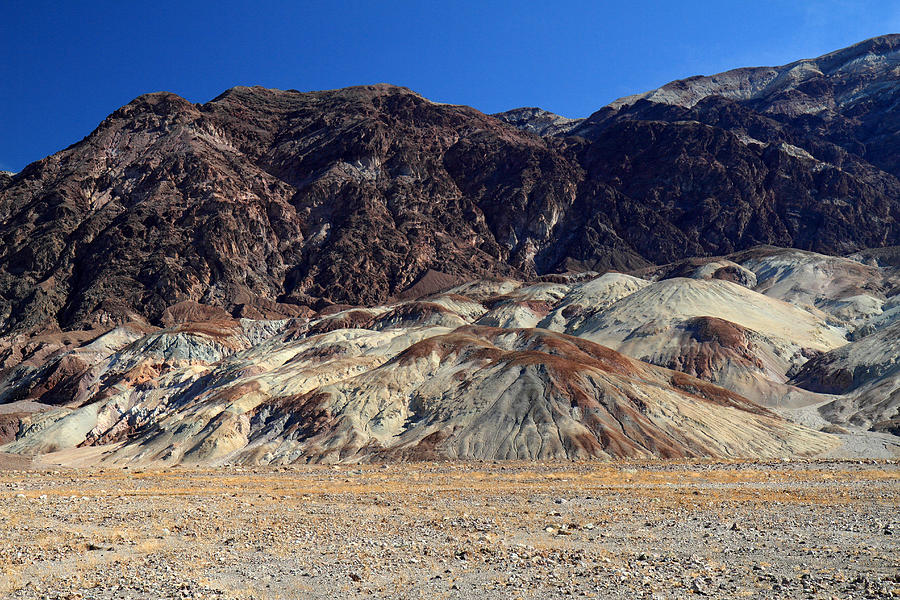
[69, 65]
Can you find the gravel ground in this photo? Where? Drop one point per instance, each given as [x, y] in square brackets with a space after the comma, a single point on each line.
[455, 530]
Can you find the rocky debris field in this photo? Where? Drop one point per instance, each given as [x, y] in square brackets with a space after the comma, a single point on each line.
[786, 529]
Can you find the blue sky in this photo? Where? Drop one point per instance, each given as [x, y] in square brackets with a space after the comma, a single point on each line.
[66, 65]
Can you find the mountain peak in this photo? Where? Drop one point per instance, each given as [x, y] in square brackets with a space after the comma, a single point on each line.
[858, 70]
[537, 120]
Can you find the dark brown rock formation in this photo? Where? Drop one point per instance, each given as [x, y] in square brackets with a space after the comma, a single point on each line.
[265, 202]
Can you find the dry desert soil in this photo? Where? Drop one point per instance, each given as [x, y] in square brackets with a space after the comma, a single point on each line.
[823, 529]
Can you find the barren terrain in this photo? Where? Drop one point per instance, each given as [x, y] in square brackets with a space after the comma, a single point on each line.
[793, 529]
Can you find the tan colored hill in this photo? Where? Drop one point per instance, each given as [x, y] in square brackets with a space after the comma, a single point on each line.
[577, 366]
[199, 394]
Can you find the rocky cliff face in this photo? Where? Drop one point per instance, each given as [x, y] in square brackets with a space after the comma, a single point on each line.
[259, 197]
[263, 202]
[847, 97]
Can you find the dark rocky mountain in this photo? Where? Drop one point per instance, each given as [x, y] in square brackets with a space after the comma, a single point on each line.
[266, 202]
[847, 97]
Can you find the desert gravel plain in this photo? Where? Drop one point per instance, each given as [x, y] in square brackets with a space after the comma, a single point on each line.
[816, 529]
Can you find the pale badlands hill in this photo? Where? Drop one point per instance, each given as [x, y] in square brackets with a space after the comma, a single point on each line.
[693, 359]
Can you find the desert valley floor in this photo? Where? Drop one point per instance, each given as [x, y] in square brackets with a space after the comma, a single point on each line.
[778, 529]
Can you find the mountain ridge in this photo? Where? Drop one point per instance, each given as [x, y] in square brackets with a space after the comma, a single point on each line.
[645, 184]
[764, 76]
